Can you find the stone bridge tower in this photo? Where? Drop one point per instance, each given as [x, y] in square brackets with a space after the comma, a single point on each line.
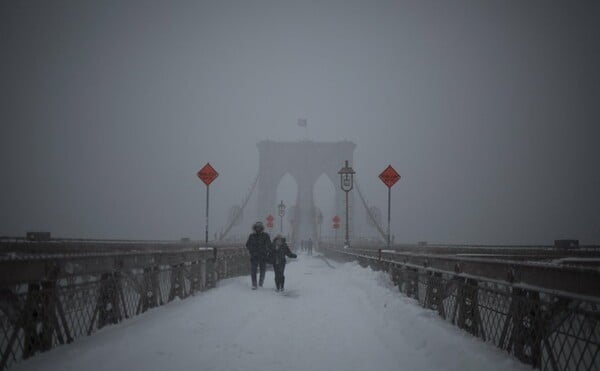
[305, 161]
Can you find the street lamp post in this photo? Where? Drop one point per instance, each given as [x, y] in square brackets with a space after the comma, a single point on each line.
[347, 183]
[281, 208]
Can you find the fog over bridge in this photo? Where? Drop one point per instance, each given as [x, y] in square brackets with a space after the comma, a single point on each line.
[142, 140]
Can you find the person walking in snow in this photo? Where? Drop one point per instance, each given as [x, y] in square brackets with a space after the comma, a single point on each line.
[309, 246]
[258, 246]
[277, 253]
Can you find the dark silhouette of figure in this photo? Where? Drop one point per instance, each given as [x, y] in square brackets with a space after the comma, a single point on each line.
[258, 246]
[309, 246]
[277, 253]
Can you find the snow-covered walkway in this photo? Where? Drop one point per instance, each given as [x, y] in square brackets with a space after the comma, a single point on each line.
[332, 317]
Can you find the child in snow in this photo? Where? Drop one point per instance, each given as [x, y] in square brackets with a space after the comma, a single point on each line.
[278, 251]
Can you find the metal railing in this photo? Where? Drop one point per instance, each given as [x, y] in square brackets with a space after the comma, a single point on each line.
[51, 296]
[512, 305]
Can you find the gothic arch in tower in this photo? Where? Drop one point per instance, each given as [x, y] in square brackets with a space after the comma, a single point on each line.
[305, 161]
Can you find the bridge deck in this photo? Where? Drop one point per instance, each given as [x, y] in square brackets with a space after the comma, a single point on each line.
[332, 317]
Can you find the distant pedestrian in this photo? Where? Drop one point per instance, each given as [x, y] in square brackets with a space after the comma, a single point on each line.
[309, 246]
[277, 253]
[258, 245]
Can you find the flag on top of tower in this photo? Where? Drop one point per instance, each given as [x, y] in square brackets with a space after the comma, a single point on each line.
[302, 123]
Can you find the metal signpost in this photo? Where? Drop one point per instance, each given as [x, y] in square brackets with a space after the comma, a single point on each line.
[389, 177]
[347, 183]
[336, 225]
[207, 175]
[281, 209]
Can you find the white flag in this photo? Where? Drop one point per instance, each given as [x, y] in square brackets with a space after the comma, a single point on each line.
[302, 123]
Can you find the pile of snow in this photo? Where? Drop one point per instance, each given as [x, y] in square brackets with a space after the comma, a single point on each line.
[332, 317]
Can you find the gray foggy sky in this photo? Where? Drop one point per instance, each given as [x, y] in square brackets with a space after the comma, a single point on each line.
[489, 110]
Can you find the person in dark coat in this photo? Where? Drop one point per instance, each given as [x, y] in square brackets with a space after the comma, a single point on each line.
[258, 246]
[277, 253]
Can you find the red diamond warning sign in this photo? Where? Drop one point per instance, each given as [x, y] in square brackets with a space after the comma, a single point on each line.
[389, 176]
[207, 174]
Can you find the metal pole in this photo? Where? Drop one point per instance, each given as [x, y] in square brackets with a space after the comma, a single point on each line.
[320, 232]
[206, 230]
[389, 215]
[281, 224]
[347, 234]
